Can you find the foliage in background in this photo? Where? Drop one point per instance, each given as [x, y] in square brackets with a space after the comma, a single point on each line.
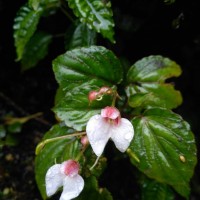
[163, 149]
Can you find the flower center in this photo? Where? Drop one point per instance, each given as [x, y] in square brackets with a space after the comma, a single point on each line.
[70, 168]
[111, 115]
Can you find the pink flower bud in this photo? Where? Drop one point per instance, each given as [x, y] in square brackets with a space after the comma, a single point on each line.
[93, 95]
[84, 140]
[104, 90]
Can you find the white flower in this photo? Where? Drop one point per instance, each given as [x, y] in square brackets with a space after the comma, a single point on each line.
[100, 128]
[66, 175]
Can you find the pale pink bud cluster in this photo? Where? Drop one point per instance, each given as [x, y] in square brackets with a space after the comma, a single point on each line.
[96, 95]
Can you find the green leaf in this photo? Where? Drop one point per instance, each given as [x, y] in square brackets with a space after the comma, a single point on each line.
[165, 148]
[91, 191]
[25, 24]
[78, 72]
[15, 127]
[96, 14]
[57, 151]
[152, 190]
[147, 85]
[81, 36]
[36, 4]
[153, 94]
[35, 50]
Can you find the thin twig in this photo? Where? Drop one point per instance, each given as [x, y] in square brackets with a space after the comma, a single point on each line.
[21, 110]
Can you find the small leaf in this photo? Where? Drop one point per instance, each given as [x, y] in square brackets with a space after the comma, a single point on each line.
[78, 72]
[147, 85]
[96, 14]
[91, 191]
[81, 36]
[162, 139]
[24, 27]
[152, 190]
[54, 152]
[35, 50]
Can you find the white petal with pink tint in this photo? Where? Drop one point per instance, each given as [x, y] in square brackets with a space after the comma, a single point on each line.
[122, 134]
[53, 179]
[97, 130]
[72, 186]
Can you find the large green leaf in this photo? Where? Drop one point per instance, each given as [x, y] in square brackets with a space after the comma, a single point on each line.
[25, 24]
[165, 148]
[57, 151]
[91, 191]
[96, 14]
[80, 36]
[152, 190]
[35, 50]
[147, 85]
[78, 72]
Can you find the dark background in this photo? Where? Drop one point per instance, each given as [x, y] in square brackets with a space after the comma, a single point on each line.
[143, 28]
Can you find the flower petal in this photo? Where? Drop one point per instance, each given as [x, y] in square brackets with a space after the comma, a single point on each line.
[122, 134]
[72, 187]
[54, 179]
[97, 130]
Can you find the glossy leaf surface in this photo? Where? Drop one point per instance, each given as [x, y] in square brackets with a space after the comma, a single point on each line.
[165, 148]
[25, 24]
[81, 36]
[36, 50]
[147, 85]
[96, 14]
[54, 152]
[78, 72]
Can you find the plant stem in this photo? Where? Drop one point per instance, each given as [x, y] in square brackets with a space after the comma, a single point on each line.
[41, 145]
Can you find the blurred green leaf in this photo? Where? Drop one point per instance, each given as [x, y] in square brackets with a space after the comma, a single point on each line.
[35, 50]
[147, 85]
[169, 2]
[78, 72]
[46, 4]
[165, 148]
[25, 24]
[2, 131]
[80, 36]
[11, 140]
[54, 152]
[96, 14]
[152, 190]
[34, 4]
[91, 191]
[14, 127]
